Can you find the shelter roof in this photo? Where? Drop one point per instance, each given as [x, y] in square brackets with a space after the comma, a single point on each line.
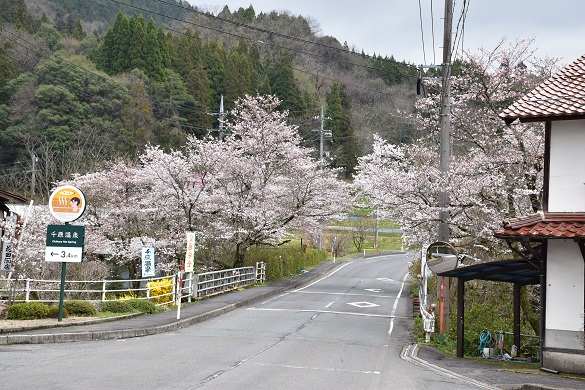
[560, 97]
[521, 271]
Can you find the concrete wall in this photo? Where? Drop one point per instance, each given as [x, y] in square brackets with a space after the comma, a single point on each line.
[564, 362]
[564, 295]
[567, 163]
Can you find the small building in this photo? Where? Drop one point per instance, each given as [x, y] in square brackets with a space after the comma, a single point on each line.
[553, 240]
[7, 198]
[557, 234]
[8, 229]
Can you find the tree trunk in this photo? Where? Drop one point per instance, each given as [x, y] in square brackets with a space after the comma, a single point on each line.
[240, 254]
[531, 317]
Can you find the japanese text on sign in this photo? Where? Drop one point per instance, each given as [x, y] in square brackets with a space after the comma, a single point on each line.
[190, 253]
[7, 243]
[148, 269]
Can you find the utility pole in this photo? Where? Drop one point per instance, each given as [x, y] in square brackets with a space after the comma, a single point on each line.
[445, 154]
[322, 132]
[33, 178]
[221, 115]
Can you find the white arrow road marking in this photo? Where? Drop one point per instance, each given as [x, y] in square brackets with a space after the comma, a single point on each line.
[374, 289]
[385, 279]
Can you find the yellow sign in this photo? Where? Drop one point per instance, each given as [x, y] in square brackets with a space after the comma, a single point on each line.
[67, 203]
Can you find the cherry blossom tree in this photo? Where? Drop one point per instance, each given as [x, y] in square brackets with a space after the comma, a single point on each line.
[270, 183]
[119, 218]
[495, 170]
[257, 186]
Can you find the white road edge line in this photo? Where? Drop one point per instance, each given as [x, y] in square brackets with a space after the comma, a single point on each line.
[395, 306]
[409, 353]
[316, 368]
[324, 277]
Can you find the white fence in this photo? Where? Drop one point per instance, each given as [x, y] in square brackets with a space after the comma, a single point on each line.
[191, 285]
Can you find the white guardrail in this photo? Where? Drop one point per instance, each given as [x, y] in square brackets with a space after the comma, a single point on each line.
[161, 289]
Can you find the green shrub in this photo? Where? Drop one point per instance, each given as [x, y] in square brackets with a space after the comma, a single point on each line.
[285, 261]
[80, 308]
[117, 307]
[54, 312]
[28, 311]
[143, 305]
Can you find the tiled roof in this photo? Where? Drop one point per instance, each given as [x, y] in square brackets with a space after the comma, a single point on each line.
[544, 225]
[560, 97]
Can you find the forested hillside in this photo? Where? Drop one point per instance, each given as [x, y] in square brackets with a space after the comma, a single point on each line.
[83, 82]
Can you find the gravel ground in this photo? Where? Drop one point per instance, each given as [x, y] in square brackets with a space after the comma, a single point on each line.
[6, 325]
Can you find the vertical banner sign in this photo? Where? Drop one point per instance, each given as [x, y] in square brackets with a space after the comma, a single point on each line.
[190, 254]
[147, 262]
[7, 243]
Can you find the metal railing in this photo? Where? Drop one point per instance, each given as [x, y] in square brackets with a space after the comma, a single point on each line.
[191, 285]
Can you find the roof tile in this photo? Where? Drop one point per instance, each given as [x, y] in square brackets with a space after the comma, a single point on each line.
[562, 95]
[544, 225]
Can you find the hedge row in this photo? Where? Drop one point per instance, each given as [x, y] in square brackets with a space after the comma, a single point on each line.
[79, 308]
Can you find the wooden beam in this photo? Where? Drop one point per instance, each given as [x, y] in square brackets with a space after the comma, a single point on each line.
[516, 326]
[460, 316]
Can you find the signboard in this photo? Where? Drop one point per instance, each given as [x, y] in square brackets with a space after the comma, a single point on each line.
[65, 243]
[147, 262]
[67, 203]
[7, 243]
[190, 253]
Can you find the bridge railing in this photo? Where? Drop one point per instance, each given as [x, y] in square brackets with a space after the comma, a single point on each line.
[164, 289]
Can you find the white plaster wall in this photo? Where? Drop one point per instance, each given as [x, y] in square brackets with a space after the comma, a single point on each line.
[567, 166]
[564, 286]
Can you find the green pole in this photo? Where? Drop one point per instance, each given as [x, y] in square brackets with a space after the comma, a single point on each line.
[62, 292]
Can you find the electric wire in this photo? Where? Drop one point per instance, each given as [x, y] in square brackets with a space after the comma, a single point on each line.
[322, 56]
[223, 32]
[40, 51]
[422, 34]
[433, 32]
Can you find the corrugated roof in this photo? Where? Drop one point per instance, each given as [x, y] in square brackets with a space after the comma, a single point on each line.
[560, 97]
[544, 226]
[519, 271]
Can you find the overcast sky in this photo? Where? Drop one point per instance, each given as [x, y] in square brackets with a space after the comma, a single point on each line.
[393, 27]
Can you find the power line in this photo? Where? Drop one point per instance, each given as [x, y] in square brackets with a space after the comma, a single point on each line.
[422, 34]
[433, 31]
[460, 28]
[272, 33]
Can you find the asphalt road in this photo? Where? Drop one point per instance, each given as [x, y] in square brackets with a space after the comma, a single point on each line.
[343, 331]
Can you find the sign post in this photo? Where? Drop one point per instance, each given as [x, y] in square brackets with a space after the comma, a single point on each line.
[65, 242]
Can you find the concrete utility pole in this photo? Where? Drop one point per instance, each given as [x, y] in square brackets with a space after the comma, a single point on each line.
[445, 154]
[322, 132]
[221, 115]
[445, 147]
[34, 176]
